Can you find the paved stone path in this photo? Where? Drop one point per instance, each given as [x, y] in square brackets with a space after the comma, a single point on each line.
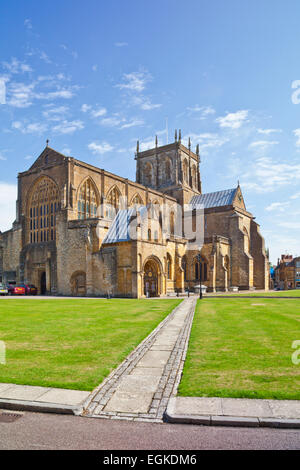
[140, 388]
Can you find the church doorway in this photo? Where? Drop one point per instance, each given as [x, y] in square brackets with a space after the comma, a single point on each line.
[151, 278]
[43, 285]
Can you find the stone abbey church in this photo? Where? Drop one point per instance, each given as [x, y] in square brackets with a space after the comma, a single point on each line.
[72, 231]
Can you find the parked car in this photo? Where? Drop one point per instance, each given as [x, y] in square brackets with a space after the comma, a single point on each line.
[30, 289]
[3, 289]
[16, 290]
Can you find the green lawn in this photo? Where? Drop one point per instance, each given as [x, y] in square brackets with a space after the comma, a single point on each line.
[73, 343]
[242, 348]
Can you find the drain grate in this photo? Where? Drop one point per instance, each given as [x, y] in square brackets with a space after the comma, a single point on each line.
[9, 417]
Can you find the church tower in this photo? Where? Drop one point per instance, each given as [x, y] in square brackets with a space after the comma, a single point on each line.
[172, 169]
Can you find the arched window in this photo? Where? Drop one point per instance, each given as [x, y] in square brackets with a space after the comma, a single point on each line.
[184, 267]
[169, 266]
[149, 234]
[172, 223]
[185, 171]
[148, 174]
[113, 203]
[43, 206]
[194, 176]
[226, 263]
[168, 169]
[200, 267]
[87, 201]
[136, 201]
[154, 210]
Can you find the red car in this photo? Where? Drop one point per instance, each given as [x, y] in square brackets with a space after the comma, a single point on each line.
[16, 290]
[30, 289]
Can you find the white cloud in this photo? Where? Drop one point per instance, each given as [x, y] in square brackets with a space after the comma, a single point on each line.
[134, 81]
[45, 57]
[7, 205]
[98, 112]
[267, 175]
[95, 68]
[31, 128]
[112, 121]
[64, 93]
[296, 132]
[68, 127]
[74, 54]
[144, 103]
[233, 120]
[202, 111]
[55, 113]
[121, 44]
[20, 95]
[85, 108]
[15, 66]
[28, 23]
[133, 123]
[277, 206]
[295, 196]
[205, 140]
[290, 225]
[263, 144]
[268, 131]
[100, 148]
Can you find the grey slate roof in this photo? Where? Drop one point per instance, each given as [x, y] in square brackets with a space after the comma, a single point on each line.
[216, 199]
[118, 231]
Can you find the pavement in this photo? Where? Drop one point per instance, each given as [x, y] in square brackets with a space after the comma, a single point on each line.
[42, 431]
[217, 411]
[51, 400]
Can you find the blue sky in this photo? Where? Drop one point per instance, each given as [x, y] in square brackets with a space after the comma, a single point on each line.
[95, 76]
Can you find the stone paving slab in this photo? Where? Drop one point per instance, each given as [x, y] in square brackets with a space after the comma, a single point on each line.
[156, 371]
[34, 398]
[154, 359]
[127, 402]
[139, 384]
[234, 412]
[64, 396]
[5, 387]
[23, 392]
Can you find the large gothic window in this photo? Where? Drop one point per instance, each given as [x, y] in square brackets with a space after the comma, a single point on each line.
[42, 209]
[185, 171]
[113, 203]
[148, 174]
[168, 169]
[194, 176]
[87, 201]
[169, 266]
